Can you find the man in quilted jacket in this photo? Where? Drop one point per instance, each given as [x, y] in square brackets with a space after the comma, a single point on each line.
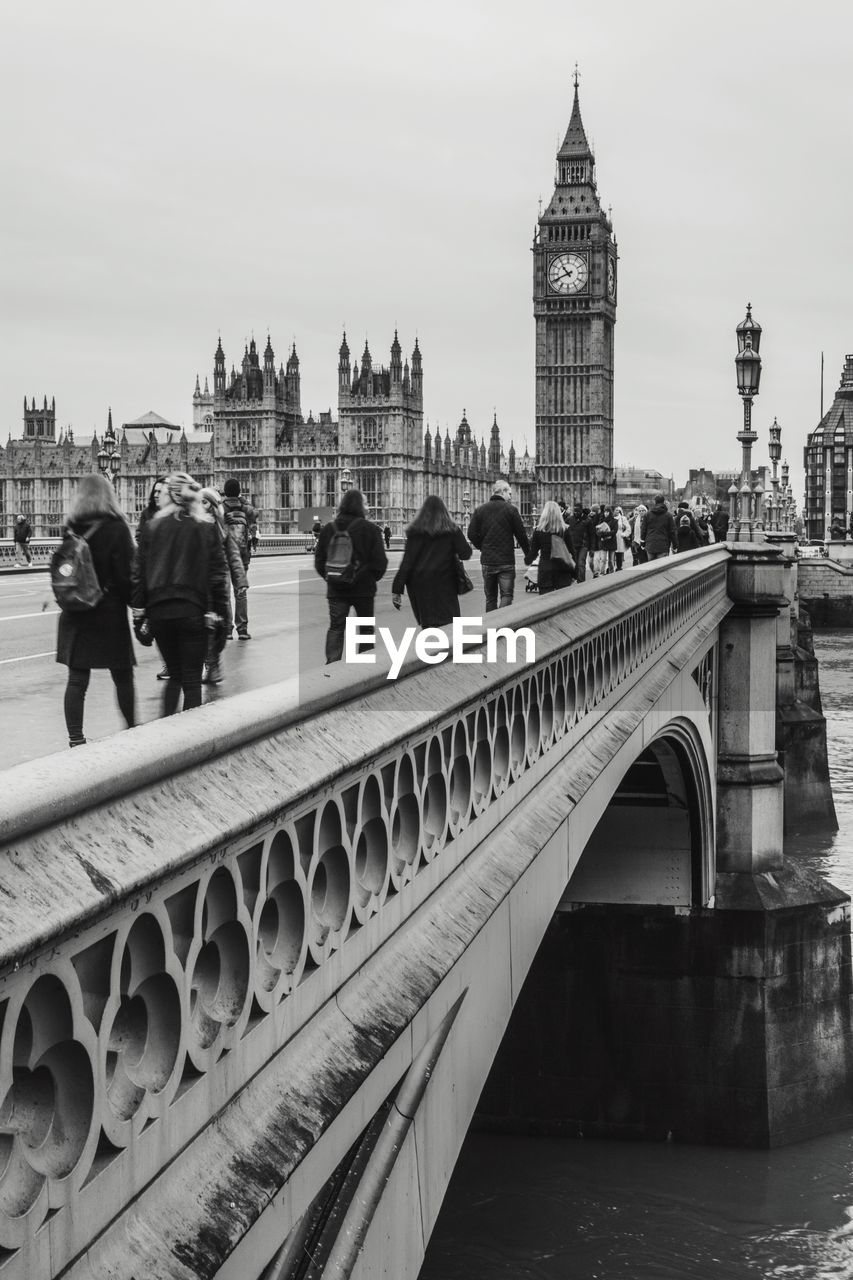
[494, 530]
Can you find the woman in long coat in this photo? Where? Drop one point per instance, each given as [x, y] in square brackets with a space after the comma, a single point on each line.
[99, 638]
[555, 571]
[428, 570]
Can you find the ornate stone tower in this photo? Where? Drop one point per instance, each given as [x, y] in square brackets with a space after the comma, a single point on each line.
[574, 307]
[381, 415]
[40, 424]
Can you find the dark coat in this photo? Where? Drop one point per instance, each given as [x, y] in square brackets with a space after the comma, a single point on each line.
[428, 572]
[100, 637]
[659, 534]
[181, 560]
[687, 533]
[577, 529]
[553, 574]
[607, 541]
[720, 524]
[494, 529]
[368, 550]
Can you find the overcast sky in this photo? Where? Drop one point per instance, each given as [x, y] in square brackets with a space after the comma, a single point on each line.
[173, 171]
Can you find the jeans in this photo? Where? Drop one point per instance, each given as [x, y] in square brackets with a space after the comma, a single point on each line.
[75, 698]
[23, 555]
[241, 612]
[580, 559]
[498, 576]
[657, 555]
[183, 644]
[339, 607]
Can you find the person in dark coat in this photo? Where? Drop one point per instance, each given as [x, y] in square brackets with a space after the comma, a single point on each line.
[99, 639]
[428, 570]
[555, 570]
[371, 561]
[720, 522]
[606, 541]
[180, 586]
[577, 530]
[687, 532]
[494, 529]
[21, 533]
[211, 500]
[659, 535]
[386, 534]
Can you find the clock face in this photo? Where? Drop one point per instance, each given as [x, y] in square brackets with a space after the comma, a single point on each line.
[568, 273]
[611, 279]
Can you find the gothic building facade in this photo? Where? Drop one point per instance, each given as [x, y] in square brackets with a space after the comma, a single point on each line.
[574, 308]
[828, 461]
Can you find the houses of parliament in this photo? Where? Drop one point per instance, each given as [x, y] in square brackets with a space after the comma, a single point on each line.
[251, 424]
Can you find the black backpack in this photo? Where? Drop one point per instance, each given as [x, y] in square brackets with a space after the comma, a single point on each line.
[239, 527]
[72, 573]
[341, 564]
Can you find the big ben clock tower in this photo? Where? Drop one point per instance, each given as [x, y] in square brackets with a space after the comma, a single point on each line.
[574, 306]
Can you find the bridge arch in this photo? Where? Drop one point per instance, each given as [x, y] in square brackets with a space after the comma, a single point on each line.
[654, 842]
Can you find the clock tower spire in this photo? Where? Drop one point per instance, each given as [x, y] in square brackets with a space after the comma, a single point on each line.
[574, 308]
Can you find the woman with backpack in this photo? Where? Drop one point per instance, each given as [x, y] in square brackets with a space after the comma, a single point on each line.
[351, 558]
[180, 586]
[94, 637]
[550, 543]
[429, 570]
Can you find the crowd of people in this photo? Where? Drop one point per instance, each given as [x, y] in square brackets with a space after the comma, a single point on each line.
[192, 549]
[565, 548]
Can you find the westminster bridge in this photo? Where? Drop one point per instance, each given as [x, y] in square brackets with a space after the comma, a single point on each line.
[262, 963]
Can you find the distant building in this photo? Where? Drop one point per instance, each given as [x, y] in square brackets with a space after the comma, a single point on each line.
[251, 427]
[828, 461]
[634, 484]
[38, 472]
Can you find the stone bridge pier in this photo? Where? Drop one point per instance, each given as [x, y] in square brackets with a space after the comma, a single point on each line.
[262, 965]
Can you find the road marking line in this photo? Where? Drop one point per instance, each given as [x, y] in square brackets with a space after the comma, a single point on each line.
[28, 657]
[42, 613]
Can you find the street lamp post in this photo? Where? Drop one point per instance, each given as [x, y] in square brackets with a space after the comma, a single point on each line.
[787, 520]
[346, 479]
[466, 504]
[109, 459]
[748, 366]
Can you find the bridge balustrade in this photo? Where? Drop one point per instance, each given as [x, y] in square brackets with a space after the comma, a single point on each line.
[177, 902]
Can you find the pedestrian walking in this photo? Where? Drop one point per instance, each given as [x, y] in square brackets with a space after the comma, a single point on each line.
[21, 533]
[638, 525]
[241, 521]
[211, 500]
[623, 536]
[550, 542]
[577, 534]
[351, 558]
[659, 536]
[605, 531]
[149, 510]
[98, 638]
[720, 522]
[494, 529]
[687, 533]
[180, 586]
[429, 570]
[386, 534]
[152, 506]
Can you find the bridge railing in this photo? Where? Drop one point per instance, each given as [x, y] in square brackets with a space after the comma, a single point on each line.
[178, 901]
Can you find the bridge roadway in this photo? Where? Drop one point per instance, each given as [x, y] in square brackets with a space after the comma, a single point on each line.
[287, 621]
[257, 960]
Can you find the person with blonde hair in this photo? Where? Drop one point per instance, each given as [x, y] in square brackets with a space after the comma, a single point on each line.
[550, 543]
[180, 586]
[99, 638]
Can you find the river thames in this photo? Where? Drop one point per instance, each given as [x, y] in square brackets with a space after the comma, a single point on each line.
[551, 1209]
